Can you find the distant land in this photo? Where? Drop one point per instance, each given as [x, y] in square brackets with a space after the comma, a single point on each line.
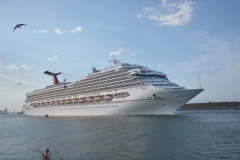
[210, 106]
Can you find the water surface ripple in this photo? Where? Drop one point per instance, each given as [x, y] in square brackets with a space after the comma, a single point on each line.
[185, 135]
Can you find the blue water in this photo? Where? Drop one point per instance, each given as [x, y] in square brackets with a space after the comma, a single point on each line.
[185, 135]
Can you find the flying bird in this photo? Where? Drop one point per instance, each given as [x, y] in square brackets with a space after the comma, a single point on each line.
[18, 26]
[18, 84]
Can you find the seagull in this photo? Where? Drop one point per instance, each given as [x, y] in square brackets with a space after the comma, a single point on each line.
[18, 84]
[18, 26]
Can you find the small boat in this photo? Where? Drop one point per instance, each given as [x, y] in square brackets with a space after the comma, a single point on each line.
[57, 102]
[108, 96]
[99, 97]
[81, 80]
[75, 100]
[121, 95]
[45, 116]
[69, 100]
[90, 98]
[83, 99]
[62, 101]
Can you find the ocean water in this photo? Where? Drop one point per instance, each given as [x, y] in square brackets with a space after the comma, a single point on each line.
[187, 135]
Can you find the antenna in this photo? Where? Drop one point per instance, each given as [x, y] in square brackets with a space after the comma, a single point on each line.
[114, 60]
[55, 79]
[199, 82]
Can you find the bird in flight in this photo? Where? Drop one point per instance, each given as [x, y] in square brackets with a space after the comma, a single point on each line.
[18, 26]
[18, 84]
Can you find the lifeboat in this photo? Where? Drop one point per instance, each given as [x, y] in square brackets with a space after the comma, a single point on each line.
[56, 101]
[99, 97]
[62, 101]
[82, 99]
[90, 98]
[121, 95]
[75, 100]
[81, 80]
[68, 100]
[108, 96]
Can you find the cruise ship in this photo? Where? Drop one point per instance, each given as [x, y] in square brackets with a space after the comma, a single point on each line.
[122, 89]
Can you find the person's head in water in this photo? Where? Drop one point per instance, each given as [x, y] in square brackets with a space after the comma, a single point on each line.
[47, 150]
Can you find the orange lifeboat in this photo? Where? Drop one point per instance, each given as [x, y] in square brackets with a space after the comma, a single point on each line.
[82, 99]
[99, 97]
[62, 101]
[56, 101]
[90, 98]
[81, 80]
[75, 100]
[108, 96]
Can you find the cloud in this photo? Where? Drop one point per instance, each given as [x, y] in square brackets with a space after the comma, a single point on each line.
[58, 31]
[174, 14]
[136, 52]
[12, 66]
[41, 31]
[139, 16]
[116, 53]
[23, 66]
[53, 58]
[77, 29]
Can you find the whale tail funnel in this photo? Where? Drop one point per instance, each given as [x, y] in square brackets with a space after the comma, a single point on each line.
[54, 75]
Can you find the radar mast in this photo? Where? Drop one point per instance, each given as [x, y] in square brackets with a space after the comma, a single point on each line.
[114, 60]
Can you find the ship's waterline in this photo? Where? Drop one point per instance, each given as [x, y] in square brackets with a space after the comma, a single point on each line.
[122, 89]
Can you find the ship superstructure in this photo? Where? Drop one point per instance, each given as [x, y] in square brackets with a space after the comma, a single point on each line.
[123, 89]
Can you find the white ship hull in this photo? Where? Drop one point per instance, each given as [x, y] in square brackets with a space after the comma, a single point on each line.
[140, 102]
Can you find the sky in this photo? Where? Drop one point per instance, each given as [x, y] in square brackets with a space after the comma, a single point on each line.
[190, 41]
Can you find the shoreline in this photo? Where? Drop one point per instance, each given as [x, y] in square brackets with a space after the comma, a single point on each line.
[210, 106]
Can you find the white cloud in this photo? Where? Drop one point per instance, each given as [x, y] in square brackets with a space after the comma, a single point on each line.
[53, 58]
[134, 53]
[58, 31]
[77, 29]
[176, 13]
[116, 53]
[12, 66]
[23, 66]
[139, 16]
[41, 31]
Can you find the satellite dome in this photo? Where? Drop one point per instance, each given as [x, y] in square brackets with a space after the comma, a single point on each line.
[94, 69]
